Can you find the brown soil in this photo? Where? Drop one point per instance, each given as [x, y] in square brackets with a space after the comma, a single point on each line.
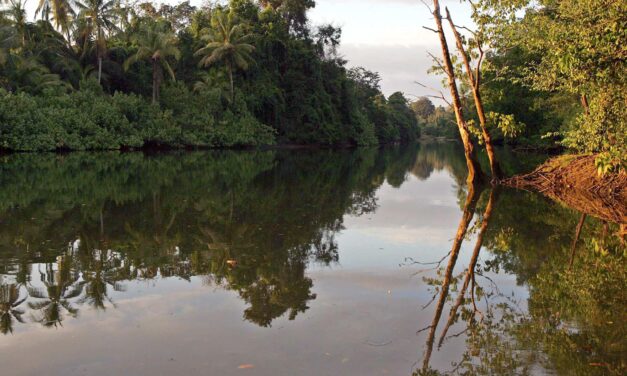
[573, 181]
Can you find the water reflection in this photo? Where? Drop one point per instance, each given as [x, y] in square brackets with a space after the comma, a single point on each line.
[80, 232]
[245, 221]
[573, 321]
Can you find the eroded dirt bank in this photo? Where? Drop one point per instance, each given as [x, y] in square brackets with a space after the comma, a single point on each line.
[573, 181]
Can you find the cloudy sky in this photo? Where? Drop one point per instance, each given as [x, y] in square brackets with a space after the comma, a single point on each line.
[387, 36]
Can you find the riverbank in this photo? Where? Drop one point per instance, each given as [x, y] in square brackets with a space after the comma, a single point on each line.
[573, 181]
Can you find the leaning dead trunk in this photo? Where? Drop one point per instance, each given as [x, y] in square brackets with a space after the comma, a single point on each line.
[475, 81]
[474, 170]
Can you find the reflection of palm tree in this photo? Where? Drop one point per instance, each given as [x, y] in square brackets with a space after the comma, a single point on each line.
[60, 289]
[96, 290]
[9, 311]
[97, 282]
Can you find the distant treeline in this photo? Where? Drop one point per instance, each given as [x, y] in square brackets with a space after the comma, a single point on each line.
[101, 74]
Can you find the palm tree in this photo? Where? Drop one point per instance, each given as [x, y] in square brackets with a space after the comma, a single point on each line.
[156, 42]
[17, 13]
[28, 75]
[226, 43]
[100, 16]
[9, 311]
[7, 41]
[61, 12]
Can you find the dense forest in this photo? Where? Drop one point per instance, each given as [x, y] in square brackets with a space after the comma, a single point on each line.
[539, 74]
[102, 74]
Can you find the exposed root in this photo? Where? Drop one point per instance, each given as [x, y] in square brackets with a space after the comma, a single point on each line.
[573, 181]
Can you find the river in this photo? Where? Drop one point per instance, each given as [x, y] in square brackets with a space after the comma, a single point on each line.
[299, 262]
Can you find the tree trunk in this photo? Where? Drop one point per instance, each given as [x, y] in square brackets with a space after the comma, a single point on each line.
[495, 169]
[230, 69]
[99, 69]
[584, 104]
[156, 78]
[474, 170]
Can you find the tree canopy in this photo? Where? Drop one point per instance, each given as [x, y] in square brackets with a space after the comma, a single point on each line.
[243, 73]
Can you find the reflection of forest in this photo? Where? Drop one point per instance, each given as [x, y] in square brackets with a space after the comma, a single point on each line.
[76, 227]
[574, 270]
[245, 221]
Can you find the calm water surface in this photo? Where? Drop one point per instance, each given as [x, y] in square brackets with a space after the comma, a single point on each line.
[298, 263]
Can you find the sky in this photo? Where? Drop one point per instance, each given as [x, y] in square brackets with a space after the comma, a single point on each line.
[385, 36]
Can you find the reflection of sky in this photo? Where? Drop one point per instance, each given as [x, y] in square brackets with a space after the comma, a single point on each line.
[403, 226]
[363, 321]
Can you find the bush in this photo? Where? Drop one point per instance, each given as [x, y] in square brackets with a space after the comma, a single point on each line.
[89, 120]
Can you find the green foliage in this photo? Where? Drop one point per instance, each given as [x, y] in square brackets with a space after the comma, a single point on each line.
[423, 108]
[555, 50]
[507, 124]
[603, 130]
[259, 74]
[392, 118]
[183, 215]
[57, 121]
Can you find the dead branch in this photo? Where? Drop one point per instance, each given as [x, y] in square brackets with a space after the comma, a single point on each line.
[441, 96]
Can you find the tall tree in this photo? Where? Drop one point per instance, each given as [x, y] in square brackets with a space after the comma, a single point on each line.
[61, 11]
[423, 107]
[17, 14]
[100, 16]
[294, 12]
[155, 41]
[474, 170]
[474, 80]
[226, 43]
[580, 47]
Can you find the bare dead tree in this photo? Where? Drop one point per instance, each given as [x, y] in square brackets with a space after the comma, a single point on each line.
[474, 79]
[474, 170]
